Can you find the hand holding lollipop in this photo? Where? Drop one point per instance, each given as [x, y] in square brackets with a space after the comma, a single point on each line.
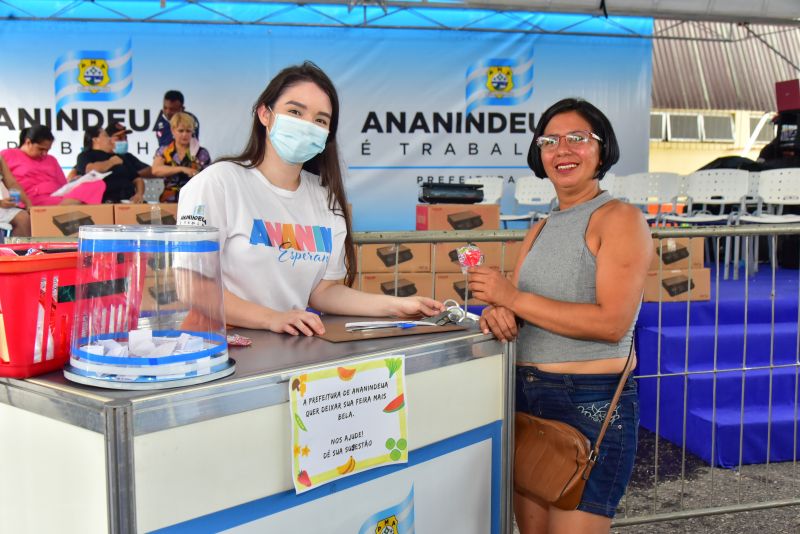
[469, 256]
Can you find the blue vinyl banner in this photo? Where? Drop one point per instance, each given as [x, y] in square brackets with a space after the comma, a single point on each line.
[416, 105]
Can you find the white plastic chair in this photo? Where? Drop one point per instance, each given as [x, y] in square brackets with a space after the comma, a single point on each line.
[532, 191]
[667, 185]
[153, 187]
[492, 188]
[775, 189]
[608, 183]
[714, 187]
[646, 189]
[634, 189]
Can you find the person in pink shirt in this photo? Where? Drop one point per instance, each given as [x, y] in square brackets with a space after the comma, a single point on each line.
[40, 175]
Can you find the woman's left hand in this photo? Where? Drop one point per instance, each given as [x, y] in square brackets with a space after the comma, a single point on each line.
[491, 286]
[410, 307]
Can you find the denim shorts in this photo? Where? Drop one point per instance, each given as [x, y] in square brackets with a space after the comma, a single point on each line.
[582, 401]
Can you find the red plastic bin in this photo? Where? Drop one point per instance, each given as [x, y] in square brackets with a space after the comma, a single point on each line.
[26, 283]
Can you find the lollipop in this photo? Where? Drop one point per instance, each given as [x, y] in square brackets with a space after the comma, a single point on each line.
[239, 341]
[469, 256]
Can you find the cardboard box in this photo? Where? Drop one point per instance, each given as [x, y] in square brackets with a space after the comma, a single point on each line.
[60, 221]
[511, 255]
[677, 285]
[674, 253]
[408, 284]
[453, 286]
[458, 217]
[447, 256]
[410, 258]
[145, 213]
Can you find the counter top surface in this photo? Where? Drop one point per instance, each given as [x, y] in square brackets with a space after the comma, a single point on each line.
[273, 355]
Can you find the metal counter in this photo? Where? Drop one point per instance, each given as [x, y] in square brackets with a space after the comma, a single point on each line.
[146, 434]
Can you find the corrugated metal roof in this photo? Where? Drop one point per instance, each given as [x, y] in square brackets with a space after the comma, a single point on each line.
[707, 65]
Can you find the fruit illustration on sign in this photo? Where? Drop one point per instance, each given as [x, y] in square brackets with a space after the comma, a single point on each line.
[396, 404]
[345, 373]
[304, 479]
[348, 467]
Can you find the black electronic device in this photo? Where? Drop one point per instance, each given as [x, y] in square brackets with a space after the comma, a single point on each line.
[460, 287]
[405, 288]
[675, 285]
[433, 193]
[69, 222]
[163, 294]
[671, 256]
[158, 261]
[389, 254]
[464, 220]
[147, 218]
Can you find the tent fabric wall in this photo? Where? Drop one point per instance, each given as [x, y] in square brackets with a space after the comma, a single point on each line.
[400, 73]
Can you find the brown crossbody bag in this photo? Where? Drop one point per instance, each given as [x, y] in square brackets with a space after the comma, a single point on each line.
[553, 460]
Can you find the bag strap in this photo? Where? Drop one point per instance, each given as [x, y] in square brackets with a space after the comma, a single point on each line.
[613, 406]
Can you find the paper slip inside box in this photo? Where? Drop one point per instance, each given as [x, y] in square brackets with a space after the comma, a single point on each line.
[91, 176]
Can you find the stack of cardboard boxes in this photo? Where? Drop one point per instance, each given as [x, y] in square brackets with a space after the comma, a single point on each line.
[416, 261]
[60, 221]
[676, 271]
[669, 278]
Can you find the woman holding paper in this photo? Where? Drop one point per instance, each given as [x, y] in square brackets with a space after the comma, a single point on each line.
[280, 206]
[40, 174]
[577, 290]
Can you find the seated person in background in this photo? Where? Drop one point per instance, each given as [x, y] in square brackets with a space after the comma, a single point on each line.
[10, 212]
[173, 103]
[125, 181]
[40, 174]
[119, 137]
[180, 160]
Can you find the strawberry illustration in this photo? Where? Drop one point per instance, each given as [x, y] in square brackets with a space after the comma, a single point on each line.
[304, 479]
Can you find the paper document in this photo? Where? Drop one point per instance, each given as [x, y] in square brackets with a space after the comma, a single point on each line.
[91, 176]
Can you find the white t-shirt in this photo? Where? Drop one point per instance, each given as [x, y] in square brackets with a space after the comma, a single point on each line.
[276, 245]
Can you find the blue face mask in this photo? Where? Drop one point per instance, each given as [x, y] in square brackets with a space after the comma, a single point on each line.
[120, 147]
[295, 140]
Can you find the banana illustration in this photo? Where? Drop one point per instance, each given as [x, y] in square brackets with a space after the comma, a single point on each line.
[347, 467]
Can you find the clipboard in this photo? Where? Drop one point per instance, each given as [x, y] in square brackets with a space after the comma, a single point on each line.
[335, 331]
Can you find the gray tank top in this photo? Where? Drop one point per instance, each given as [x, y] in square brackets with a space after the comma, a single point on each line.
[561, 267]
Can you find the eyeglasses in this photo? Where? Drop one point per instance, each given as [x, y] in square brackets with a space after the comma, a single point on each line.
[574, 139]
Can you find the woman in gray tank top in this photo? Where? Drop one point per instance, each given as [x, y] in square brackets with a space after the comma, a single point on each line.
[577, 289]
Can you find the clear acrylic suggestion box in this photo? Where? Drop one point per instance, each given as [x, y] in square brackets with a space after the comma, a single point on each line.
[149, 311]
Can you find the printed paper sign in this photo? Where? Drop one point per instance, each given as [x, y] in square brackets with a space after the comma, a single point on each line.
[347, 419]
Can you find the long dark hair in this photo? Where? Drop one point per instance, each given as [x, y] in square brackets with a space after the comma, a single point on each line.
[609, 149]
[36, 134]
[325, 164]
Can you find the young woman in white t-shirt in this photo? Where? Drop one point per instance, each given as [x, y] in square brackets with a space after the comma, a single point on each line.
[286, 241]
